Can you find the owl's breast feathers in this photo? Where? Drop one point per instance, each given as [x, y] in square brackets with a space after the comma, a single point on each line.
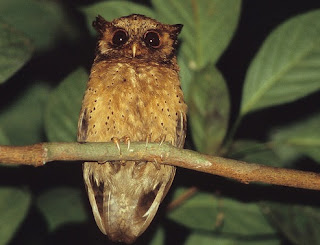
[140, 101]
[133, 100]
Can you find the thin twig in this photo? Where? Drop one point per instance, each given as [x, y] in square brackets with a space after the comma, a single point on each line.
[39, 154]
[182, 198]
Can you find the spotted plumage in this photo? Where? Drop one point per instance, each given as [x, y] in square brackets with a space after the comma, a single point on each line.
[133, 92]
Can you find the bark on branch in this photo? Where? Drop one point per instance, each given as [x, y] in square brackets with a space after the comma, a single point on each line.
[39, 154]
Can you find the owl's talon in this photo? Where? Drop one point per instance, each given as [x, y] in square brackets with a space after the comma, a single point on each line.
[162, 140]
[116, 141]
[127, 141]
[128, 145]
[147, 140]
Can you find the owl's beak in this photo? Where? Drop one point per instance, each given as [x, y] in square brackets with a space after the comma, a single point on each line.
[134, 50]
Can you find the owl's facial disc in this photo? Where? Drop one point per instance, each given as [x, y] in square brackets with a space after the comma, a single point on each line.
[138, 38]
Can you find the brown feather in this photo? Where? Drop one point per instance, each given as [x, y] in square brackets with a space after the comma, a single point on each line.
[140, 98]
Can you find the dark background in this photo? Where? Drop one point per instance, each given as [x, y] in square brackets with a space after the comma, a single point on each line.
[258, 19]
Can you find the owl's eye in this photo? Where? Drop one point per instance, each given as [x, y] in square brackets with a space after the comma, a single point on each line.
[152, 39]
[120, 37]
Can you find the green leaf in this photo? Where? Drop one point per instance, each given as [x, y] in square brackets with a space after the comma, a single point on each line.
[15, 51]
[14, 204]
[208, 213]
[208, 26]
[113, 9]
[63, 108]
[43, 21]
[300, 224]
[209, 108]
[199, 212]
[158, 238]
[287, 66]
[256, 152]
[205, 239]
[302, 137]
[62, 206]
[22, 120]
[3, 138]
[186, 76]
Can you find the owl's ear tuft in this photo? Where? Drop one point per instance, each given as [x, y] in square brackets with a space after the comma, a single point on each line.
[176, 29]
[100, 24]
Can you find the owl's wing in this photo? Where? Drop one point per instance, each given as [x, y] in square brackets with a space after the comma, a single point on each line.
[181, 130]
[83, 126]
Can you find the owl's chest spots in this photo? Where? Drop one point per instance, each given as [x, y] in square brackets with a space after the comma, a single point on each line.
[135, 102]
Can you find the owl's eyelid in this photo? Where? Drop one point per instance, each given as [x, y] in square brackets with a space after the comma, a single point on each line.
[115, 29]
[119, 29]
[159, 32]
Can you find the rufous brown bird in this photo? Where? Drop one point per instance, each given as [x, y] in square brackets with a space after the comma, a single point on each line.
[133, 93]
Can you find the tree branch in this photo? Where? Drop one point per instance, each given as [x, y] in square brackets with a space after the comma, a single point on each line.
[39, 154]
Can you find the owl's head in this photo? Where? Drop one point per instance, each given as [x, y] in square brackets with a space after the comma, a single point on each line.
[137, 37]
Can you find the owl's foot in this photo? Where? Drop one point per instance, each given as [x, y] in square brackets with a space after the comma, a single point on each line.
[162, 139]
[127, 141]
[116, 141]
[148, 140]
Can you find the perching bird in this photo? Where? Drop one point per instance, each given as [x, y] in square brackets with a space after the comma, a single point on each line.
[133, 93]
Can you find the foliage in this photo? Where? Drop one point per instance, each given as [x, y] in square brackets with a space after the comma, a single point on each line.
[42, 83]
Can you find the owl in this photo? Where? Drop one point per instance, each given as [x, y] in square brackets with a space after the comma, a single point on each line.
[133, 93]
